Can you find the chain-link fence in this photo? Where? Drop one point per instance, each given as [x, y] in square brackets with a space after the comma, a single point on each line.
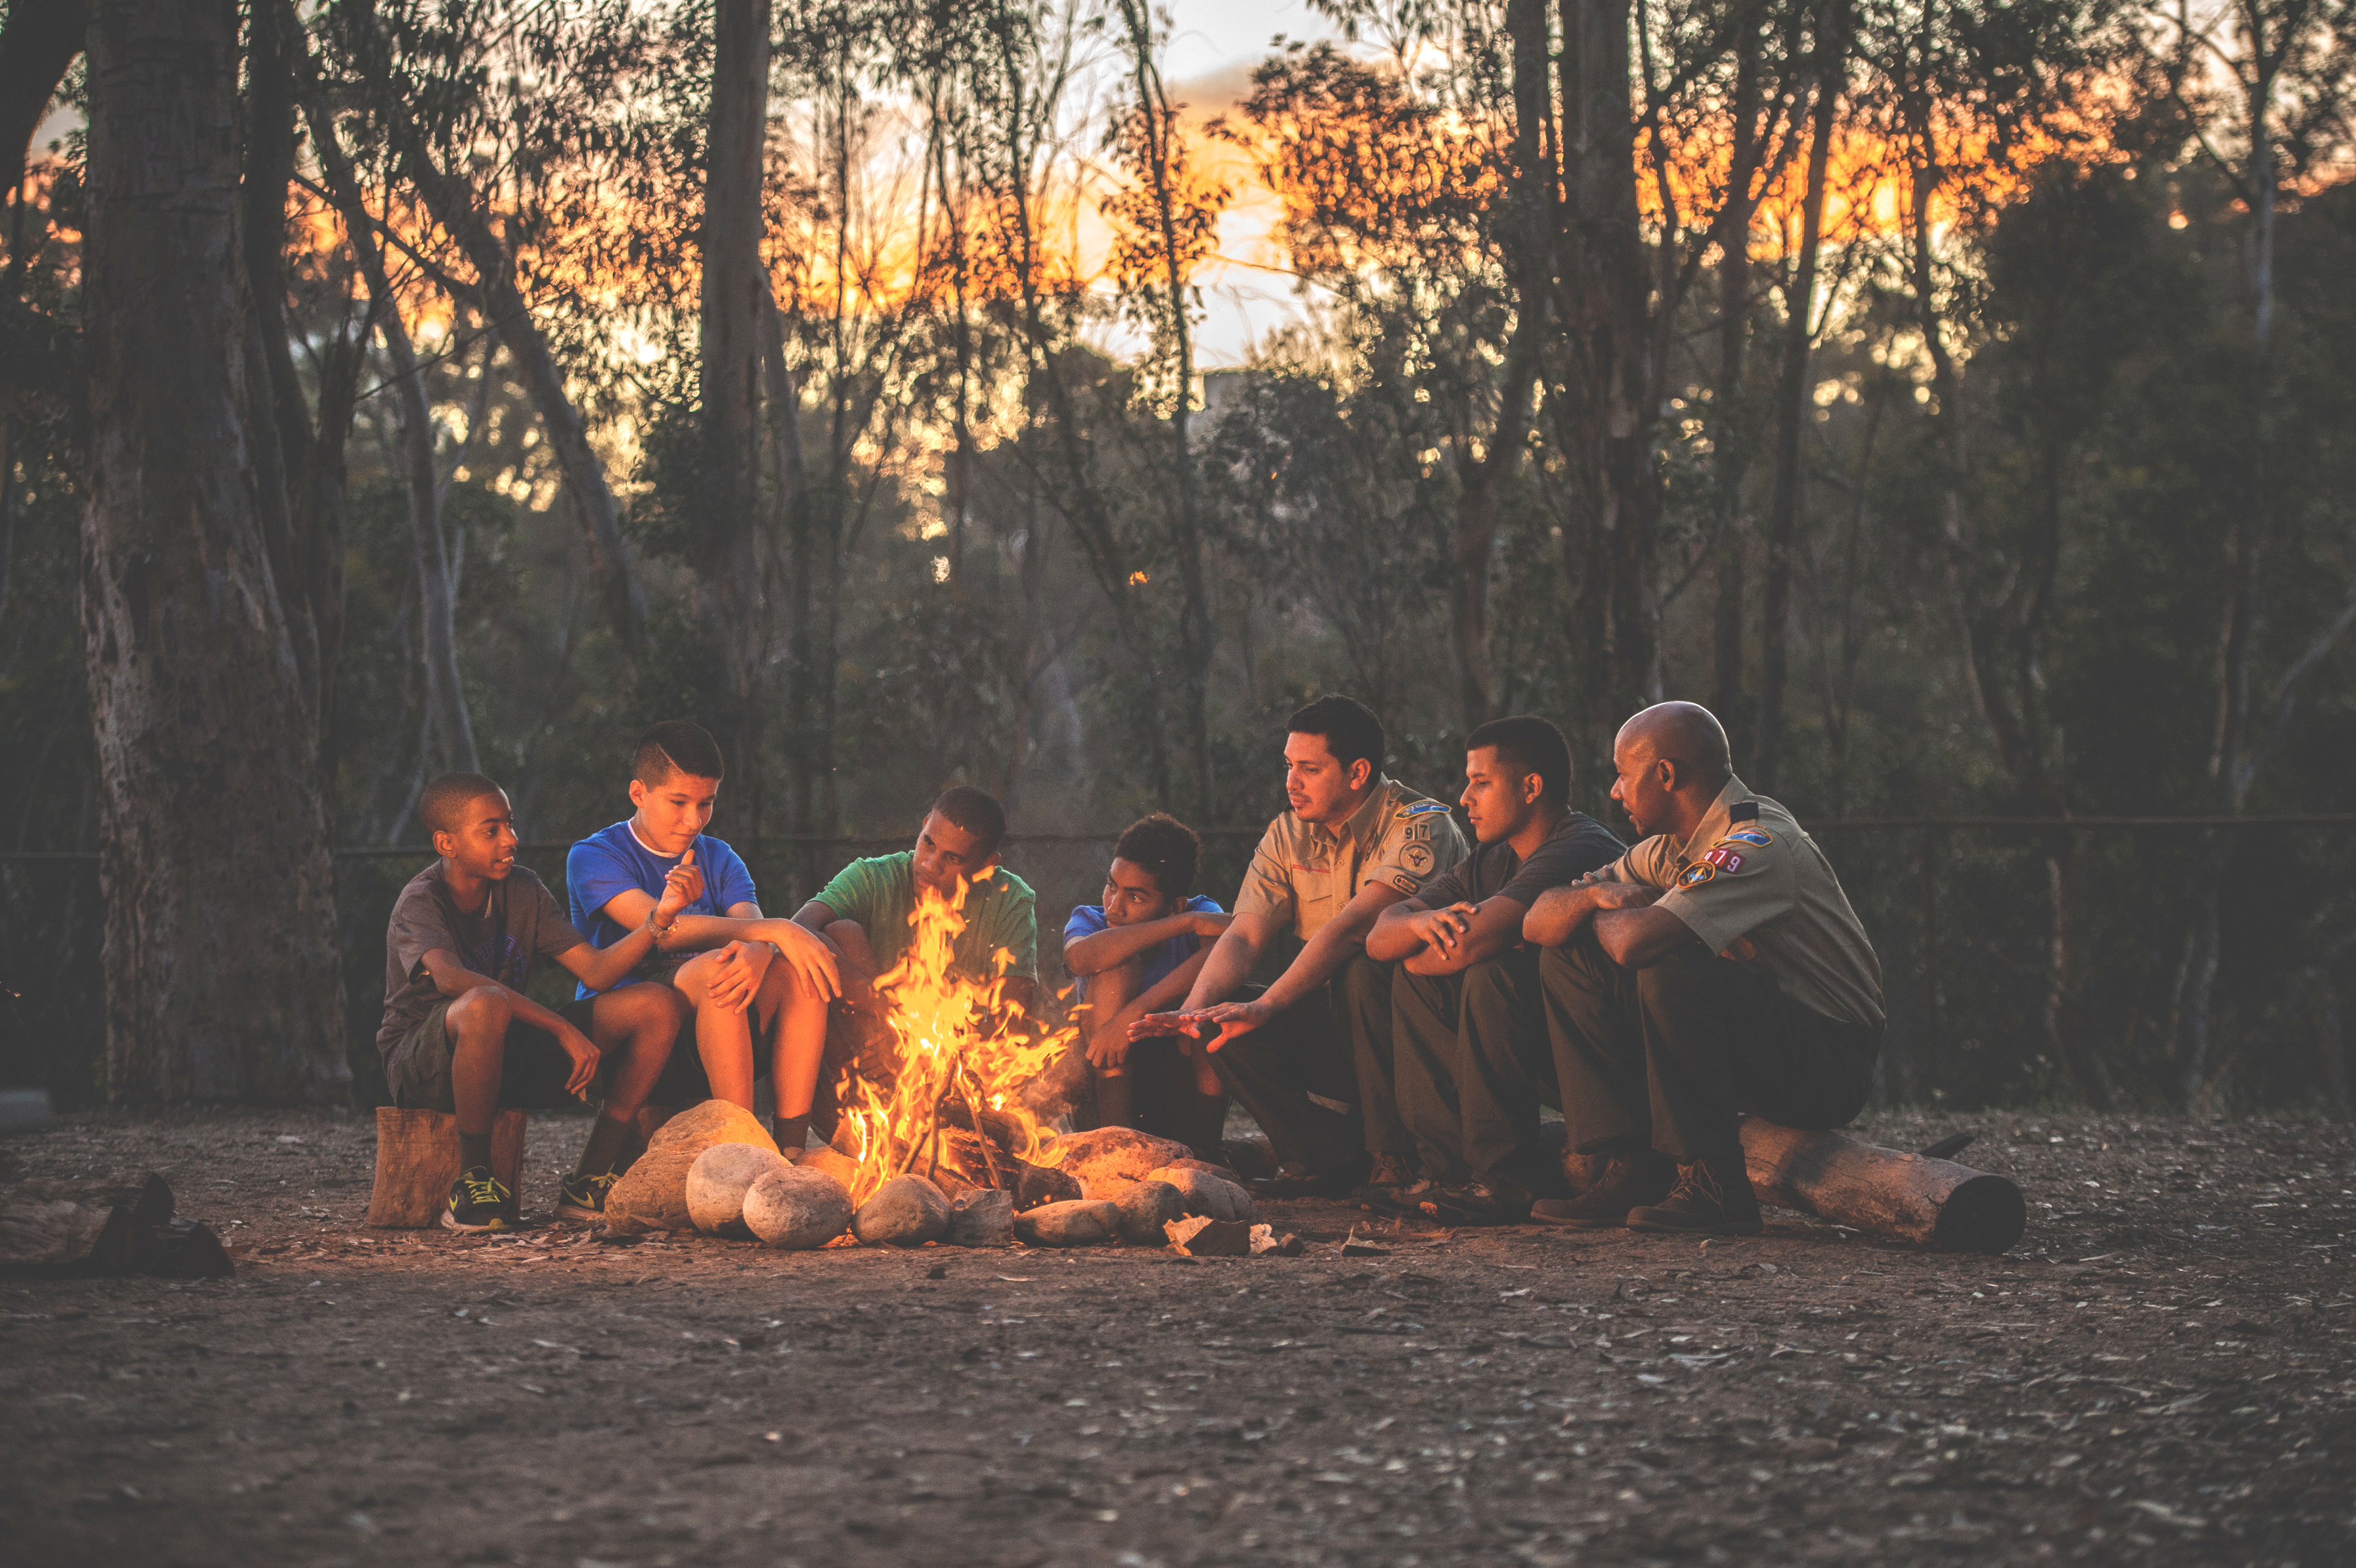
[1960, 909]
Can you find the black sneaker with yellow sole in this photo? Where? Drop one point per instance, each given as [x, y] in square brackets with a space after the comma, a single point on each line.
[582, 1196]
[478, 1201]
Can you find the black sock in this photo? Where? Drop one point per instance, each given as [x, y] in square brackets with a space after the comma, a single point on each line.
[792, 1133]
[1115, 1104]
[473, 1151]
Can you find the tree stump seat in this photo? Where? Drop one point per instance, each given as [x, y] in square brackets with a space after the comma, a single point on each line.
[417, 1159]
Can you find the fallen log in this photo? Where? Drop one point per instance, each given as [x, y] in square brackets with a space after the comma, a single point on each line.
[105, 1228]
[1910, 1198]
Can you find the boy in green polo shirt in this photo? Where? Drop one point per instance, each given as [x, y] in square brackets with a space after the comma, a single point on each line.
[867, 916]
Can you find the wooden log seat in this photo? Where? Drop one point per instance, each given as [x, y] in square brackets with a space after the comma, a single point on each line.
[1881, 1192]
[417, 1159]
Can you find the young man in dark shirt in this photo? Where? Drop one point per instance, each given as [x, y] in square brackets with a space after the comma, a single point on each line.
[459, 1033]
[1468, 1054]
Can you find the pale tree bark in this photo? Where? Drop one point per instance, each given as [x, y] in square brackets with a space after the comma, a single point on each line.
[450, 733]
[455, 208]
[732, 582]
[223, 977]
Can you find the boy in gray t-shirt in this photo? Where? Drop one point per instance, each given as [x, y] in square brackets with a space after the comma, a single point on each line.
[460, 1035]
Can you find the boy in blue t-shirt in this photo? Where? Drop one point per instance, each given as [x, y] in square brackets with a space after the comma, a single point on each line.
[753, 1014]
[1136, 953]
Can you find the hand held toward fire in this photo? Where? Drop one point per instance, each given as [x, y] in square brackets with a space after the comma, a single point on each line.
[1158, 1024]
[1232, 1019]
[1108, 1050]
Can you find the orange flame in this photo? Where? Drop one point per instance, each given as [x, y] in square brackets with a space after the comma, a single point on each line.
[965, 1051]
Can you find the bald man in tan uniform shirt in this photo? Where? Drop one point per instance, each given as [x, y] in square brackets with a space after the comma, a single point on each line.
[1716, 969]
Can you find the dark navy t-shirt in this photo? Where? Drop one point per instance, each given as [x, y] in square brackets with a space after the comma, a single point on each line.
[612, 861]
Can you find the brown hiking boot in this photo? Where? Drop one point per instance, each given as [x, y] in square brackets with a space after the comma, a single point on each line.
[1392, 1187]
[1712, 1198]
[1629, 1181]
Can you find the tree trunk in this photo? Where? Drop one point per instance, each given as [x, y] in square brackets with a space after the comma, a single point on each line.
[450, 745]
[1791, 407]
[1606, 403]
[1730, 437]
[222, 975]
[733, 289]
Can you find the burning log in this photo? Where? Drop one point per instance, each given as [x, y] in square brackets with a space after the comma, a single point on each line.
[105, 1228]
[1105, 1161]
[1929, 1202]
[906, 1211]
[982, 1218]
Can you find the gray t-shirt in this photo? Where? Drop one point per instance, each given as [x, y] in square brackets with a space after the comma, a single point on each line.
[520, 924]
[1578, 845]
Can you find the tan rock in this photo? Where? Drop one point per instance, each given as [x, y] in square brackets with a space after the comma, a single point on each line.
[1076, 1223]
[1145, 1209]
[1108, 1159]
[833, 1162]
[652, 1196]
[794, 1209]
[1210, 1196]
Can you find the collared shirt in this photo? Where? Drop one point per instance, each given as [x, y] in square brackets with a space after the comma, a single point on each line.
[1303, 873]
[1749, 871]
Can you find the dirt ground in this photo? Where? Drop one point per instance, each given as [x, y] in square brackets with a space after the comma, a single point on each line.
[2163, 1371]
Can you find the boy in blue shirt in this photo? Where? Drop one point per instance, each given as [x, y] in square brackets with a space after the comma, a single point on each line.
[1137, 953]
[753, 1014]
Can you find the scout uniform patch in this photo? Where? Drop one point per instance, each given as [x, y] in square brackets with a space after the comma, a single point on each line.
[1763, 883]
[1302, 873]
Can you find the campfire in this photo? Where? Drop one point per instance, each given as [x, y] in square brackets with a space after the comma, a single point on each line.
[948, 1108]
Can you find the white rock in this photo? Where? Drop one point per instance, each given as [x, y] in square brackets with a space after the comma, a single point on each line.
[718, 1180]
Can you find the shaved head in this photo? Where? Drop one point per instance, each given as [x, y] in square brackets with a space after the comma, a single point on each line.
[1684, 732]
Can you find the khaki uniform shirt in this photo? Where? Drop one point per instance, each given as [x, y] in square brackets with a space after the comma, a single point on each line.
[1303, 873]
[1748, 871]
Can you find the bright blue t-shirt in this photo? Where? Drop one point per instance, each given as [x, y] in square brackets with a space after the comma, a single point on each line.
[612, 861]
[1089, 918]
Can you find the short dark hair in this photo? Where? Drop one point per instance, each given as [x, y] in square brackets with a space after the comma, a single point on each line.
[676, 746]
[1168, 849]
[1349, 726]
[439, 803]
[1528, 744]
[978, 813]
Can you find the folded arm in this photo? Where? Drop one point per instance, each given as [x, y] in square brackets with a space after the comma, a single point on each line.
[1101, 950]
[1471, 934]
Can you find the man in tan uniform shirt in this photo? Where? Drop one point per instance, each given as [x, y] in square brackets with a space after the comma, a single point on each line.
[1354, 843]
[1715, 969]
